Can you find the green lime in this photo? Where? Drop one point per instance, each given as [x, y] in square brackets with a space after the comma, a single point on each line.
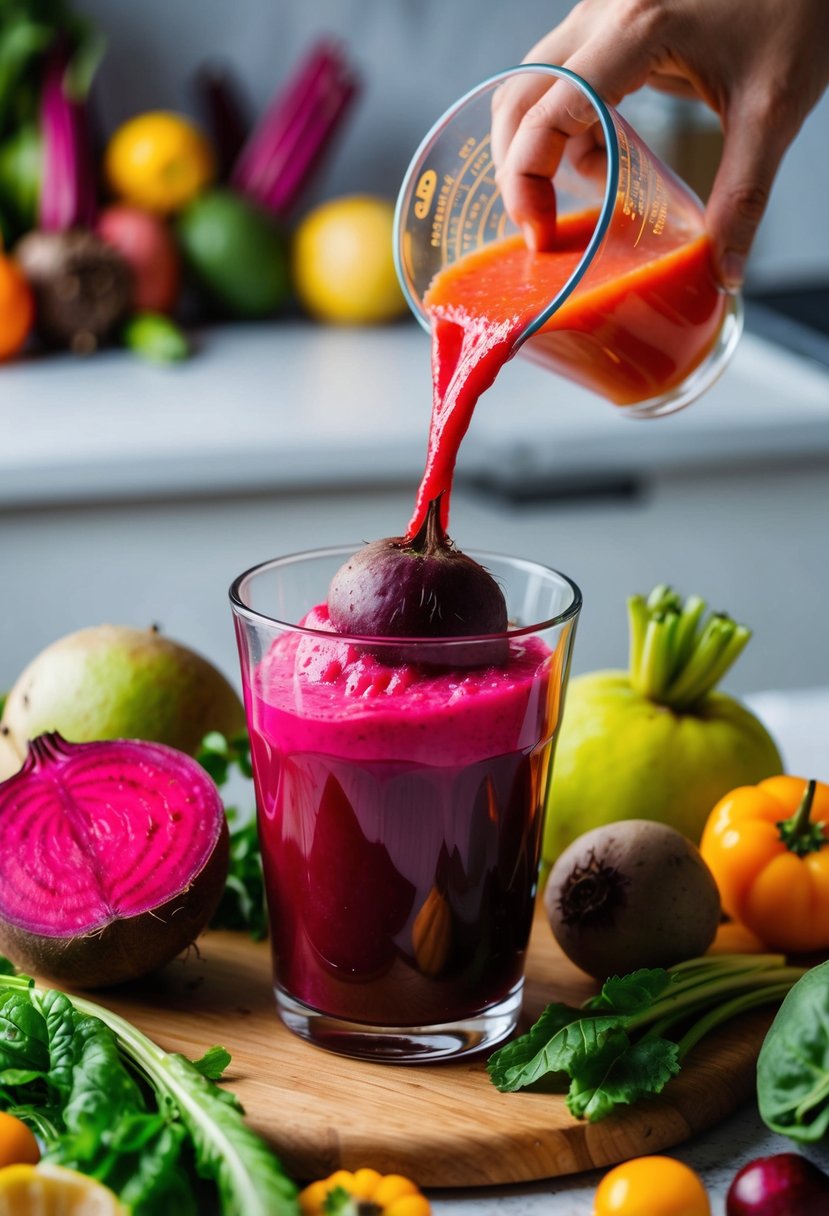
[237, 253]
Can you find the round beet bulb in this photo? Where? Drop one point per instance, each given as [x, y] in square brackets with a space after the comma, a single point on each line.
[784, 1185]
[420, 587]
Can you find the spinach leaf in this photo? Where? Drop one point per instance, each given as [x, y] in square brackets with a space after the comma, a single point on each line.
[793, 1068]
[109, 1102]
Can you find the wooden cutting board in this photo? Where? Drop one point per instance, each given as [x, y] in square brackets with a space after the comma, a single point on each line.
[445, 1125]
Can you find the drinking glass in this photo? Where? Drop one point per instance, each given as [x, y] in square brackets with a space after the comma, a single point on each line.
[400, 790]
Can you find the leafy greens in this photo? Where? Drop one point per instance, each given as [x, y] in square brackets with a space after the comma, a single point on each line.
[242, 905]
[109, 1102]
[793, 1068]
[616, 1048]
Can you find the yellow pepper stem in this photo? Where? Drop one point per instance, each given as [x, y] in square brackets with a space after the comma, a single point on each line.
[798, 833]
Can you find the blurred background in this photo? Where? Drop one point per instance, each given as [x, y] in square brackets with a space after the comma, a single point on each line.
[135, 484]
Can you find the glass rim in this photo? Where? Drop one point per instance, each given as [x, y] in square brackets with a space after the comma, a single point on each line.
[253, 616]
[402, 207]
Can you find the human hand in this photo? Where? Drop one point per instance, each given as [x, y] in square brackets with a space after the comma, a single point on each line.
[761, 65]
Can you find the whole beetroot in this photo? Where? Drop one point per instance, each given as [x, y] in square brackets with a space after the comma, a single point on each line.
[631, 894]
[421, 587]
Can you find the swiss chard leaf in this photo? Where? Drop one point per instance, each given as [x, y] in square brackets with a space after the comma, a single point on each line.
[547, 1048]
[249, 1177]
[633, 993]
[510, 1063]
[793, 1068]
[620, 1072]
[213, 1063]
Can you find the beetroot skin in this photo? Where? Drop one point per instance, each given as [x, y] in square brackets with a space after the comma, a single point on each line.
[114, 857]
[421, 587]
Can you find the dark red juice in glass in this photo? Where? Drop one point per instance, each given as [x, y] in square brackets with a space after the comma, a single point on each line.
[400, 815]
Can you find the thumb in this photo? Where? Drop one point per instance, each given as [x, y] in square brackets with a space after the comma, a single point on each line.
[755, 142]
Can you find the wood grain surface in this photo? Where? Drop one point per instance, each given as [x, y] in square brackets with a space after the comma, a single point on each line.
[444, 1124]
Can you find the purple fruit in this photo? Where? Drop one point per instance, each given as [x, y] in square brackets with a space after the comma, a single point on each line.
[421, 587]
[114, 858]
[784, 1185]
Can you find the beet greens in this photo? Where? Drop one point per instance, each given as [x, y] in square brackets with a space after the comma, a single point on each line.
[621, 1045]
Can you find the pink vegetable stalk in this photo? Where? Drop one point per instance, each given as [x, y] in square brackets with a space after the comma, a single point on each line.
[288, 144]
[67, 192]
[224, 112]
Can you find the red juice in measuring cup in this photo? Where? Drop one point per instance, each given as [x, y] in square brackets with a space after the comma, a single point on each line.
[624, 299]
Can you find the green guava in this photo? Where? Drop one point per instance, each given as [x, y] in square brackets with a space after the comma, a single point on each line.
[115, 682]
[656, 742]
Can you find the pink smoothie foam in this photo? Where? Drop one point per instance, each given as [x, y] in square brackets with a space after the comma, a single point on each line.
[400, 812]
[332, 695]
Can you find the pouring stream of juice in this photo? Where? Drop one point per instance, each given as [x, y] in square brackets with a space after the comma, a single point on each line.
[626, 333]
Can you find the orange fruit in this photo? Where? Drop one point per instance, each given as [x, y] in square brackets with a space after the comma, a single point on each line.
[17, 1143]
[343, 262]
[51, 1190]
[17, 308]
[159, 160]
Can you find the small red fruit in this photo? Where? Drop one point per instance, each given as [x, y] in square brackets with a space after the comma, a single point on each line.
[147, 246]
[784, 1185]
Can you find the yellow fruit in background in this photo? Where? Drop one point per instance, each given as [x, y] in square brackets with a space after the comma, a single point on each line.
[343, 264]
[50, 1190]
[159, 160]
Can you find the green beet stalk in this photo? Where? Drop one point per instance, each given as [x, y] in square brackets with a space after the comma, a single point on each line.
[676, 657]
[724, 986]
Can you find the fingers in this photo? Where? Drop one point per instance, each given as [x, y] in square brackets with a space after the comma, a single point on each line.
[614, 66]
[757, 133]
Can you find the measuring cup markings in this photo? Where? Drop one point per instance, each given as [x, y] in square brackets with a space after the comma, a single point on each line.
[478, 159]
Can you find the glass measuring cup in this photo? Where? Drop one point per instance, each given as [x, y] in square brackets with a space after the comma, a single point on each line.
[637, 313]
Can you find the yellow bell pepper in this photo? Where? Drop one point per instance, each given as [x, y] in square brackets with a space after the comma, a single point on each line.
[363, 1193]
[768, 849]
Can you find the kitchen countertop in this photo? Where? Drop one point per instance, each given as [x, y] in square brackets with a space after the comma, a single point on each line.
[800, 722]
[287, 405]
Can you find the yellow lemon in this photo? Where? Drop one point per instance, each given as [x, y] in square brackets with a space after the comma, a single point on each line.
[159, 160]
[50, 1190]
[343, 263]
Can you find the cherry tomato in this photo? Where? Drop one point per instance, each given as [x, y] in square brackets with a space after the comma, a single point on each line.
[651, 1186]
[17, 1144]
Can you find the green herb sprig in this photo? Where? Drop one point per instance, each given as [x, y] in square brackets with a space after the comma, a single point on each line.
[242, 905]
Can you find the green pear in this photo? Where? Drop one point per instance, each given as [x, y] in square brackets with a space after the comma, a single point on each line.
[657, 741]
[115, 682]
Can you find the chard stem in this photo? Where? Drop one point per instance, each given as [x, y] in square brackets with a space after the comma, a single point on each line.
[736, 963]
[723, 1013]
[693, 995]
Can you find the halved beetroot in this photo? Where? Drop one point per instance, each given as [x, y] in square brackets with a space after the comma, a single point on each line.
[113, 857]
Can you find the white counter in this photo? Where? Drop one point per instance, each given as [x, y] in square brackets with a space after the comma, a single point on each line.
[288, 405]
